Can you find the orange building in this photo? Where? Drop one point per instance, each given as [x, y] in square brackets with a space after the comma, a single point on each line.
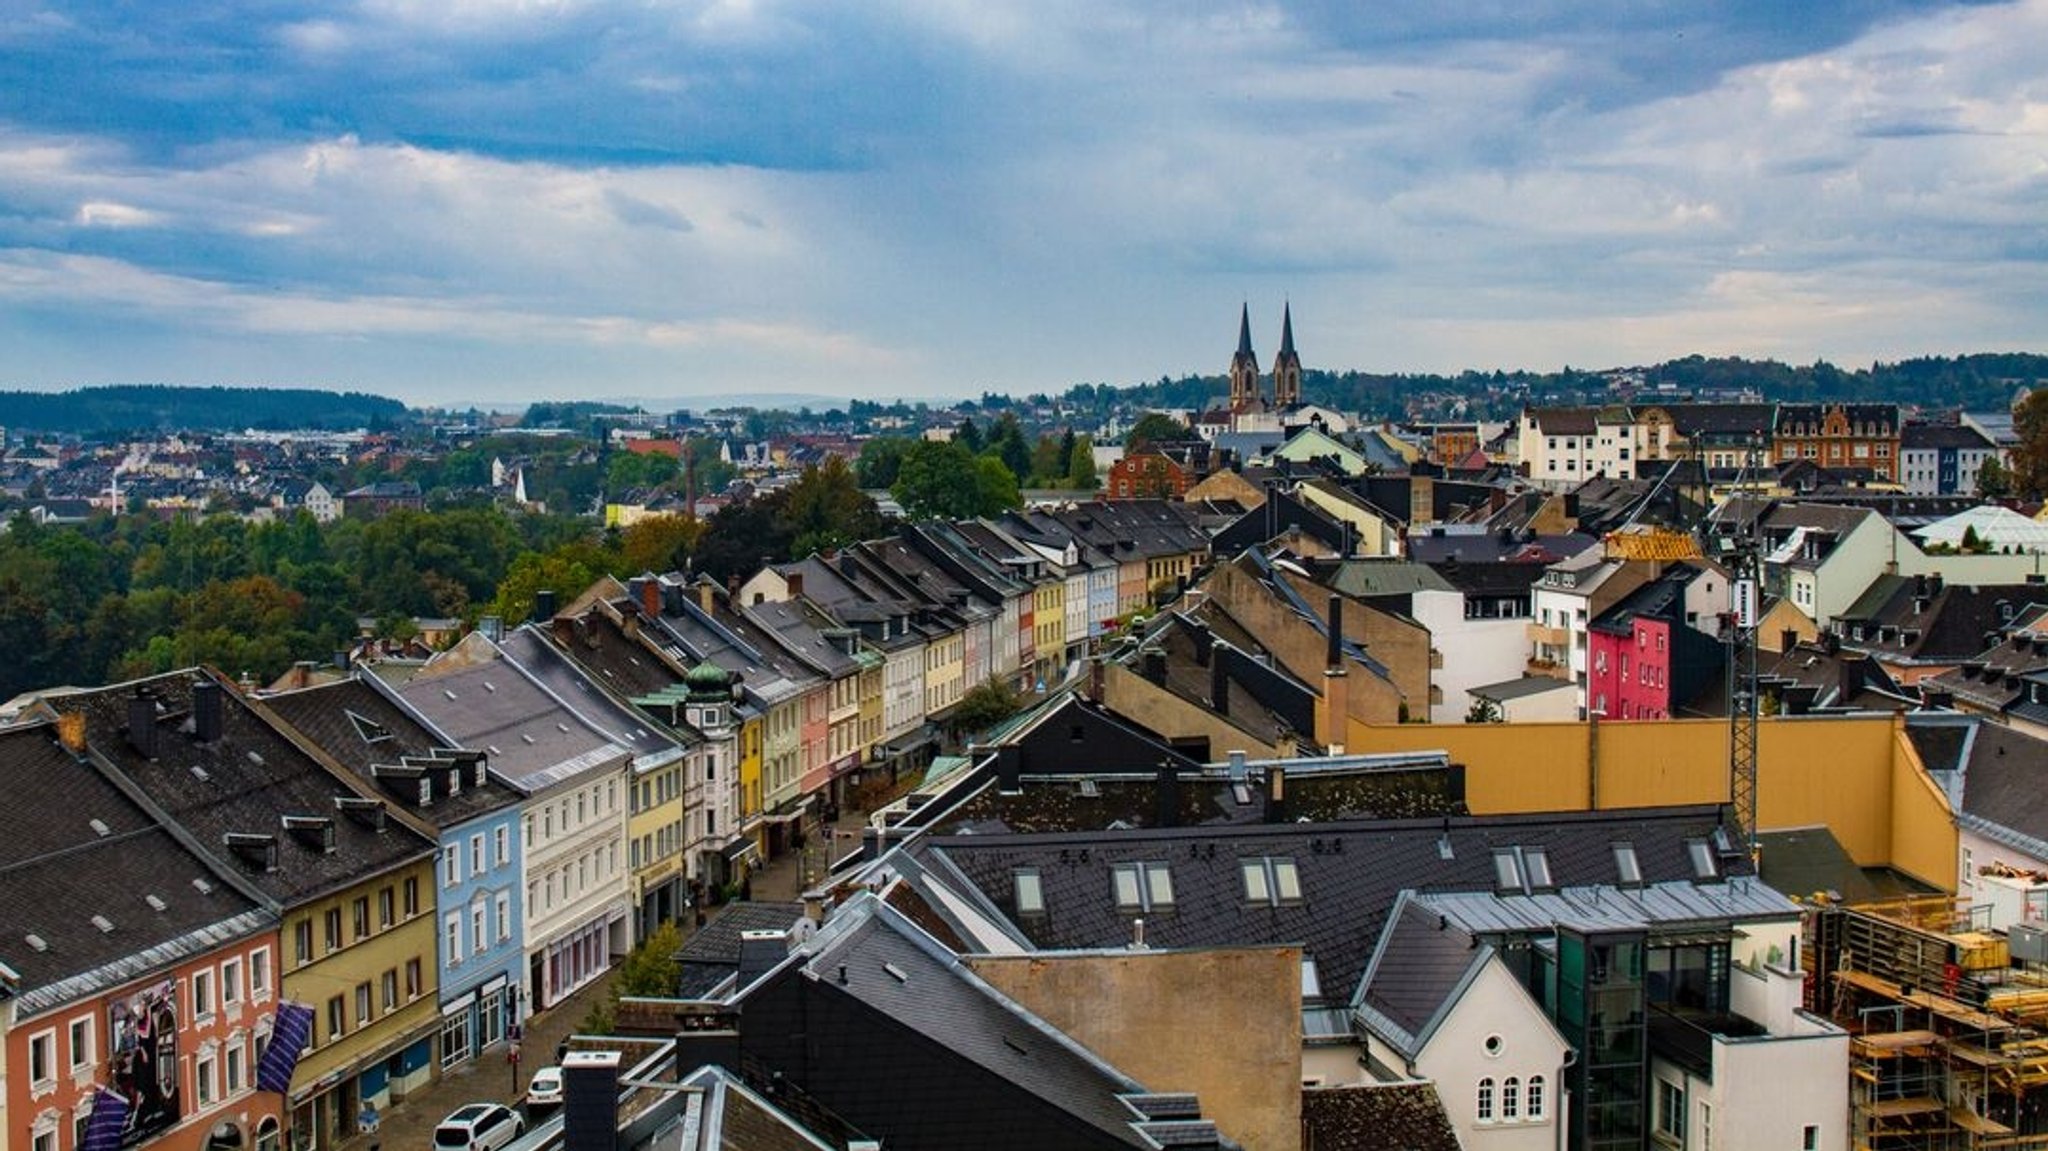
[1147, 476]
[1863, 436]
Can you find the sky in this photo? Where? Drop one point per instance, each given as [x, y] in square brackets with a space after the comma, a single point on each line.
[495, 201]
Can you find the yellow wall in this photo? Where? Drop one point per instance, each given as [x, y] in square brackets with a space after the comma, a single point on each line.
[1853, 774]
[1158, 1015]
[1131, 695]
[750, 768]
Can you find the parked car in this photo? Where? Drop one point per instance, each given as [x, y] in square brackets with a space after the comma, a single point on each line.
[546, 1088]
[478, 1127]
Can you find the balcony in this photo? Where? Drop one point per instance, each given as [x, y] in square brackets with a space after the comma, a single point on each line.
[1542, 635]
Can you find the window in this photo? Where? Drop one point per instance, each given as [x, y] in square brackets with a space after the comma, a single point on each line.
[502, 845]
[42, 1058]
[231, 982]
[412, 980]
[302, 942]
[1143, 886]
[360, 916]
[1027, 891]
[1701, 853]
[81, 1042]
[1671, 1111]
[388, 984]
[1706, 1125]
[337, 1018]
[1511, 1098]
[1536, 868]
[233, 1065]
[451, 866]
[1628, 871]
[1507, 870]
[1270, 880]
[452, 938]
[1534, 1098]
[386, 907]
[479, 937]
[364, 1008]
[202, 1079]
[1809, 1138]
[333, 924]
[259, 973]
[476, 853]
[1483, 1111]
[504, 909]
[202, 994]
[412, 898]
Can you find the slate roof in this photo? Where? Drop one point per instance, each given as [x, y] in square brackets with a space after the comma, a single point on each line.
[1919, 437]
[712, 954]
[1421, 962]
[1377, 577]
[869, 953]
[358, 726]
[1991, 681]
[1914, 621]
[93, 851]
[620, 723]
[1488, 547]
[533, 741]
[2005, 785]
[244, 782]
[1806, 861]
[733, 1116]
[1565, 421]
[1350, 874]
[1377, 1117]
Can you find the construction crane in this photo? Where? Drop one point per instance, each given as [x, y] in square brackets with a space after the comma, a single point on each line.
[1741, 558]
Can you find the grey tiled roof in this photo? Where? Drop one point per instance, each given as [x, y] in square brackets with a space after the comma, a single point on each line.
[92, 852]
[533, 741]
[1377, 1117]
[246, 782]
[1422, 959]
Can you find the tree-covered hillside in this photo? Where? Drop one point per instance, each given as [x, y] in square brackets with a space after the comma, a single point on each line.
[144, 407]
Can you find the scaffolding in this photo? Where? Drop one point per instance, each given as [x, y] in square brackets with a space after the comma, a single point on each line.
[1948, 1035]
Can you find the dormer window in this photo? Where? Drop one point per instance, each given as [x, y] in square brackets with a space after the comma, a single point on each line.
[1027, 891]
[1270, 881]
[1142, 886]
[1628, 870]
[1701, 853]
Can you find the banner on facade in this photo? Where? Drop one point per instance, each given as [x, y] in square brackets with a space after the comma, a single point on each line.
[288, 1037]
[103, 1130]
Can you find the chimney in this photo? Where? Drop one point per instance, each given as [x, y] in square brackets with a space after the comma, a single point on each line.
[761, 951]
[795, 580]
[650, 596]
[1934, 584]
[142, 724]
[1276, 794]
[206, 705]
[1155, 665]
[848, 569]
[1204, 641]
[543, 605]
[871, 845]
[636, 589]
[1095, 677]
[564, 629]
[707, 595]
[1335, 656]
[71, 731]
[1166, 796]
[590, 1101]
[1219, 686]
[1009, 769]
[341, 660]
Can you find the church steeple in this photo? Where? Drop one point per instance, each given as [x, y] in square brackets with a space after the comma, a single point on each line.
[1287, 365]
[1244, 366]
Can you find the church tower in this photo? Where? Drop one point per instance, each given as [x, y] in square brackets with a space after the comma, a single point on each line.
[1244, 367]
[1287, 366]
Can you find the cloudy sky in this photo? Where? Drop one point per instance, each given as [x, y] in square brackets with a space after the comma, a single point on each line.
[456, 201]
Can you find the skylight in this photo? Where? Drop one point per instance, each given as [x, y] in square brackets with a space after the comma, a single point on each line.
[1701, 853]
[1028, 890]
[1627, 869]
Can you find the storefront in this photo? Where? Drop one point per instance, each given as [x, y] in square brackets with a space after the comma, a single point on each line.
[475, 1021]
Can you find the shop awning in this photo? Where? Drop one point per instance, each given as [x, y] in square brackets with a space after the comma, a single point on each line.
[740, 850]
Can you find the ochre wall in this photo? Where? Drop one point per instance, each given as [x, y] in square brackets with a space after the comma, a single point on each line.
[1224, 1023]
[1853, 774]
[1132, 695]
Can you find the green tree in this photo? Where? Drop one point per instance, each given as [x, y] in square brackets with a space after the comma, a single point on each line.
[1006, 443]
[652, 970]
[566, 570]
[1081, 465]
[942, 479]
[1993, 480]
[2030, 455]
[880, 459]
[1152, 428]
[1483, 711]
[825, 509]
[985, 705]
[968, 436]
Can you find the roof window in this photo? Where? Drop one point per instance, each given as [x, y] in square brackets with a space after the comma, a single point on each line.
[1142, 886]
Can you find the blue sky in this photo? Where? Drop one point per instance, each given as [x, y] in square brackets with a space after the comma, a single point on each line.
[456, 201]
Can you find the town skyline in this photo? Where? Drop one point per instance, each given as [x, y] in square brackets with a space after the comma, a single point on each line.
[494, 203]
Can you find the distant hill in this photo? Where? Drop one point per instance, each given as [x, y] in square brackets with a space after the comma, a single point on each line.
[147, 407]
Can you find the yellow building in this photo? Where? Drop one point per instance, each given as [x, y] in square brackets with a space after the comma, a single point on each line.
[1049, 628]
[363, 958]
[751, 811]
[945, 670]
[657, 841]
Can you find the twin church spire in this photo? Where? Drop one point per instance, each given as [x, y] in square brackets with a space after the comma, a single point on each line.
[1245, 393]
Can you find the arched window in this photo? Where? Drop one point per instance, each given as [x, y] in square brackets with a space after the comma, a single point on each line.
[1485, 1113]
[1536, 1097]
[1511, 1099]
